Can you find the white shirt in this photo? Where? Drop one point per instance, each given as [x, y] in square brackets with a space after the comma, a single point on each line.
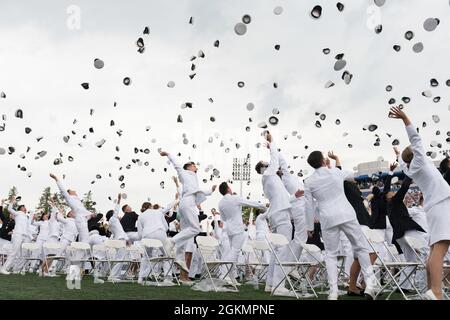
[327, 187]
[424, 173]
[70, 231]
[116, 226]
[190, 182]
[275, 191]
[230, 208]
[152, 220]
[21, 221]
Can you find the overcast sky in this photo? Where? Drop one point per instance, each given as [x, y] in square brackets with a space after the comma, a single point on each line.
[44, 60]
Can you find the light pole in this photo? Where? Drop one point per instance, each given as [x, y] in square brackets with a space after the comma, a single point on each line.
[241, 170]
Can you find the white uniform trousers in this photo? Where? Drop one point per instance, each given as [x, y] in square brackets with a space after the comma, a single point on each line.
[189, 224]
[14, 254]
[275, 274]
[300, 232]
[354, 233]
[236, 243]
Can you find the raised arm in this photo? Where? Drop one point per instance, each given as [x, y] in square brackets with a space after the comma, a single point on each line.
[401, 193]
[274, 164]
[11, 211]
[414, 138]
[168, 207]
[388, 180]
[61, 187]
[53, 213]
[335, 157]
[61, 218]
[174, 162]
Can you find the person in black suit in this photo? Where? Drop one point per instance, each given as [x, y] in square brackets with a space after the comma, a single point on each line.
[7, 225]
[378, 202]
[129, 219]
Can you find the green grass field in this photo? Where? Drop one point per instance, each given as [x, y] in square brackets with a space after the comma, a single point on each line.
[33, 287]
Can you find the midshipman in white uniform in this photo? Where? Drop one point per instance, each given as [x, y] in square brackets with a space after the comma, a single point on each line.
[279, 214]
[191, 197]
[336, 215]
[79, 210]
[230, 207]
[436, 194]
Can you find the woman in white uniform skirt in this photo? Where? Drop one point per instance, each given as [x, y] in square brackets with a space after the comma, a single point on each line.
[436, 193]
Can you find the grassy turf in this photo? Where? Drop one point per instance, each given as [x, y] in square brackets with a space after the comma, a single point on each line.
[33, 287]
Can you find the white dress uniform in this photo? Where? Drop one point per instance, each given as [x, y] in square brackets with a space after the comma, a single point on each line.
[116, 227]
[68, 235]
[188, 211]
[292, 185]
[18, 236]
[80, 212]
[152, 224]
[43, 236]
[279, 213]
[118, 234]
[435, 190]
[54, 226]
[336, 214]
[230, 208]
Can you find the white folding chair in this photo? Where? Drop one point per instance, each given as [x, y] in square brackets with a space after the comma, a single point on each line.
[156, 262]
[392, 281]
[5, 250]
[250, 261]
[79, 253]
[30, 251]
[101, 264]
[262, 253]
[48, 249]
[134, 254]
[313, 254]
[207, 248]
[113, 248]
[276, 240]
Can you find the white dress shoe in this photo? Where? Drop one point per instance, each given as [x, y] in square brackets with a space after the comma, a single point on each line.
[284, 292]
[268, 289]
[332, 296]
[429, 295]
[371, 292]
[3, 271]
